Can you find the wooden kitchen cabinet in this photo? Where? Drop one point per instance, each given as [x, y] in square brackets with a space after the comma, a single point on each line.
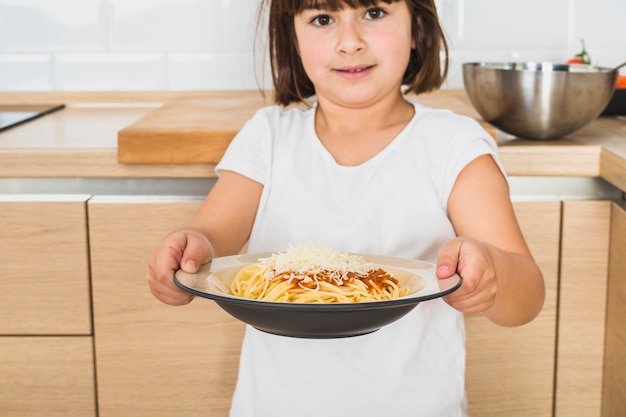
[44, 266]
[614, 378]
[510, 371]
[47, 376]
[46, 348]
[153, 359]
[159, 360]
[582, 308]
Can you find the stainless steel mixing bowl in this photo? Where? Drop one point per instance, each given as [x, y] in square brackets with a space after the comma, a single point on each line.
[538, 100]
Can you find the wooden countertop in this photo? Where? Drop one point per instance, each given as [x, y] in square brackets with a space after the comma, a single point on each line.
[82, 140]
[199, 129]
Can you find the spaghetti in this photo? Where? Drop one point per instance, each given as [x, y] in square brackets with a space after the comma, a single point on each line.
[315, 274]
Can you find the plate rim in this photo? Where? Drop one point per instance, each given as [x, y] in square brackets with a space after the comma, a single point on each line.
[408, 299]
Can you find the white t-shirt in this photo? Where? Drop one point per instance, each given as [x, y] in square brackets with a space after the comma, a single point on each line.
[393, 204]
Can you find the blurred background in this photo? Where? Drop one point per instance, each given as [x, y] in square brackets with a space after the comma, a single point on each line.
[184, 45]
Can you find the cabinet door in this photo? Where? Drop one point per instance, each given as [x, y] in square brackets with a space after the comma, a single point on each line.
[44, 273]
[582, 308]
[510, 371]
[153, 359]
[43, 376]
[614, 384]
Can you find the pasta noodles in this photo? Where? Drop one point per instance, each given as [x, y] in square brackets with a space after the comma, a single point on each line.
[315, 274]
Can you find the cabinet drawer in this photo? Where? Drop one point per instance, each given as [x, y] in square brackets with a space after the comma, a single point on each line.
[47, 376]
[44, 269]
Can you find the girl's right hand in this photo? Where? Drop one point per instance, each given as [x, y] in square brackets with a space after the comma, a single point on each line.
[184, 249]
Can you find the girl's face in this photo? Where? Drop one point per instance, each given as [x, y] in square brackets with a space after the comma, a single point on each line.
[355, 56]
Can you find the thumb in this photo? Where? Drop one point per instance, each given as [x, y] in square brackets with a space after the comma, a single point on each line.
[189, 265]
[197, 252]
[448, 258]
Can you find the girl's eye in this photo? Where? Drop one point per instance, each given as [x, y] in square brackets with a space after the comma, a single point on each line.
[322, 20]
[374, 13]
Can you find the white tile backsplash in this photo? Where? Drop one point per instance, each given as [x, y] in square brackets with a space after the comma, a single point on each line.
[144, 45]
[52, 25]
[602, 23]
[165, 25]
[215, 72]
[26, 72]
[111, 72]
[512, 24]
[239, 17]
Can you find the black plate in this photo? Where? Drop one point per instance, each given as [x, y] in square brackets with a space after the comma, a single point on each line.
[317, 320]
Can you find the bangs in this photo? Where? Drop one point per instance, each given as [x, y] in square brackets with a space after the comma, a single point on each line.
[296, 6]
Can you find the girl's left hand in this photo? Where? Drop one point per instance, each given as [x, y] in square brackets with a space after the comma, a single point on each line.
[472, 260]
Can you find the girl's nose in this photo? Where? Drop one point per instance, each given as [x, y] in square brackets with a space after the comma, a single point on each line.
[350, 40]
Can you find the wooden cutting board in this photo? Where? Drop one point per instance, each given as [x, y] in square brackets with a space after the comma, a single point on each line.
[187, 130]
[197, 129]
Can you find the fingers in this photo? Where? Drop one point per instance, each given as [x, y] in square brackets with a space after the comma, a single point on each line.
[197, 252]
[471, 261]
[186, 250]
[167, 291]
[161, 281]
[468, 302]
[447, 261]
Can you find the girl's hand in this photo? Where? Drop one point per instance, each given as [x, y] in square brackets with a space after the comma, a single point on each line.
[473, 262]
[185, 249]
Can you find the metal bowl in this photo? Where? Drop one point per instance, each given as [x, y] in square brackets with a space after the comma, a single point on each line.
[538, 100]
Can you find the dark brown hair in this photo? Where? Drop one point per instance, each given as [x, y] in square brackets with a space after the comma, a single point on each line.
[428, 62]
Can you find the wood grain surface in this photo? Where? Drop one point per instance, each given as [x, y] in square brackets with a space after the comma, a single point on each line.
[154, 359]
[81, 140]
[168, 361]
[510, 370]
[188, 129]
[614, 386]
[199, 129]
[582, 308]
[44, 266]
[46, 376]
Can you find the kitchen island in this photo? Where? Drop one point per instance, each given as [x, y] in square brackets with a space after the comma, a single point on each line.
[93, 222]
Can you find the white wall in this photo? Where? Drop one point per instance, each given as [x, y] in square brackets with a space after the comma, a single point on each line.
[147, 45]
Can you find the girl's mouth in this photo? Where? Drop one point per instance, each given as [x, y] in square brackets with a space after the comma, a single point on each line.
[354, 72]
[355, 69]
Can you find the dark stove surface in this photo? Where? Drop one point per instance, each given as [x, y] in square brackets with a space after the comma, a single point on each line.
[13, 115]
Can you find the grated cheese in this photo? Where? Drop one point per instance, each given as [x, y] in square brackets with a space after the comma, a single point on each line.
[305, 261]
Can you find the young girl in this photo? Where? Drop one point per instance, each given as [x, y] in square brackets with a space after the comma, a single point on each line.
[362, 170]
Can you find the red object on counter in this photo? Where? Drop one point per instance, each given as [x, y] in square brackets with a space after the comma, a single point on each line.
[582, 57]
[574, 61]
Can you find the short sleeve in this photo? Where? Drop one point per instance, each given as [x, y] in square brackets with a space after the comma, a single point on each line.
[468, 141]
[249, 152]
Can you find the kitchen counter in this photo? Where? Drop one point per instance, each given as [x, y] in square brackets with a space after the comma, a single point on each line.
[81, 141]
[578, 244]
